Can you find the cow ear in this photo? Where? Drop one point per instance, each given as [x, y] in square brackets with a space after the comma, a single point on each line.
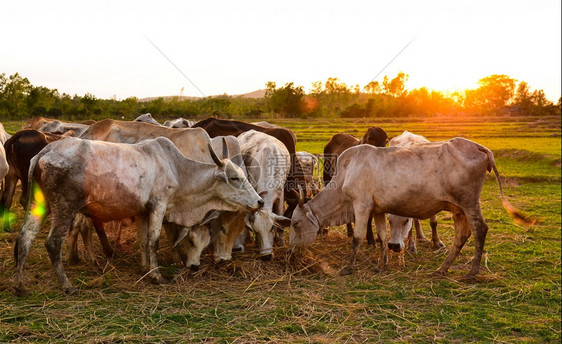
[313, 219]
[282, 221]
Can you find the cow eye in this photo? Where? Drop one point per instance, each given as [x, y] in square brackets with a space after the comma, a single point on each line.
[234, 179]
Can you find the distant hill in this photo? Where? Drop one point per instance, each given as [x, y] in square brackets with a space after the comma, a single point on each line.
[254, 94]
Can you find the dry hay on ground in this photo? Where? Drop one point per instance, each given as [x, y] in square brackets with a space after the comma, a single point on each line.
[322, 260]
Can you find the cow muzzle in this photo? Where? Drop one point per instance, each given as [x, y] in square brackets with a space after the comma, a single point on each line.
[253, 209]
[394, 247]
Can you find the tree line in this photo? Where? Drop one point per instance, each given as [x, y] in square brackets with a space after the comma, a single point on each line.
[495, 95]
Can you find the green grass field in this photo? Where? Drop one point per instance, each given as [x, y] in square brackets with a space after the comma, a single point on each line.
[516, 298]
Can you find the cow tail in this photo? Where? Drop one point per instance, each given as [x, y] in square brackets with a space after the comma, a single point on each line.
[30, 173]
[515, 213]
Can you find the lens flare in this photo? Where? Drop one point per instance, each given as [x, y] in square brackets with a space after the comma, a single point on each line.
[38, 207]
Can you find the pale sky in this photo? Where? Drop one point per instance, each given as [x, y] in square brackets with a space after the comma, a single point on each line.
[234, 47]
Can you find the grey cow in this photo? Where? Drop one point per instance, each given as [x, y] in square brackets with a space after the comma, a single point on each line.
[372, 180]
[151, 181]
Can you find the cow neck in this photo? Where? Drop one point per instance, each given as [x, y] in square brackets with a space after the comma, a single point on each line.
[330, 208]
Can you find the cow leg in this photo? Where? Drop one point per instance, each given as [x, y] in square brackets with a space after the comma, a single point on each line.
[142, 237]
[380, 222]
[55, 239]
[411, 242]
[10, 182]
[437, 244]
[72, 256]
[154, 229]
[26, 236]
[24, 187]
[370, 236]
[419, 233]
[480, 229]
[171, 231]
[361, 218]
[105, 245]
[349, 230]
[119, 225]
[462, 233]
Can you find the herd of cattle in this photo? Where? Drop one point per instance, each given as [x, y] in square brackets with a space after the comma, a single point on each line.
[212, 181]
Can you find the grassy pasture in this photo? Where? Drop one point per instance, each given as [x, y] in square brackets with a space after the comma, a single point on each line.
[516, 298]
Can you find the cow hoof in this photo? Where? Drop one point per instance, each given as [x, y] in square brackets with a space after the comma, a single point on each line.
[346, 271]
[439, 245]
[422, 239]
[412, 250]
[194, 268]
[71, 291]
[160, 280]
[73, 260]
[439, 273]
[471, 276]
[20, 291]
[267, 257]
[221, 262]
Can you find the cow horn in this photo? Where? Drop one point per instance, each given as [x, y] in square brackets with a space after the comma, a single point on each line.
[224, 148]
[215, 157]
[301, 196]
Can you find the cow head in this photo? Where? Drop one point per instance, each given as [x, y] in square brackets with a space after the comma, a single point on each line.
[375, 136]
[399, 229]
[304, 224]
[266, 224]
[193, 243]
[233, 186]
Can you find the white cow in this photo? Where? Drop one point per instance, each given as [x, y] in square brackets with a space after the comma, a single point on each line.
[179, 123]
[373, 181]
[308, 163]
[268, 162]
[4, 136]
[151, 181]
[223, 227]
[146, 118]
[398, 224]
[58, 127]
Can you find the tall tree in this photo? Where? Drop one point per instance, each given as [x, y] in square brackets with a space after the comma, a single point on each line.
[495, 91]
[14, 91]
